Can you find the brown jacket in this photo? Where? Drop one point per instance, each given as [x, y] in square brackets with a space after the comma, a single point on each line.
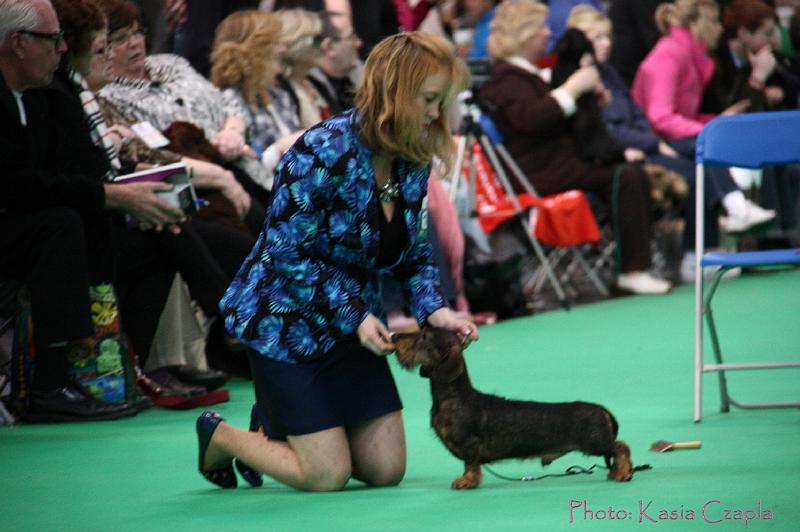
[535, 130]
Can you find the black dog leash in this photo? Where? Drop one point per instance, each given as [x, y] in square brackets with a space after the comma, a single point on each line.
[572, 470]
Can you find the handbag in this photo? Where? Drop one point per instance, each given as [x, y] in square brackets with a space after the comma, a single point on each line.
[100, 363]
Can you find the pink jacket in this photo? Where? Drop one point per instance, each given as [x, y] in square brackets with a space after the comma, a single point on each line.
[670, 82]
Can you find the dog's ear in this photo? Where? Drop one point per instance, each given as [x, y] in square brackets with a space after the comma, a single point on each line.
[404, 345]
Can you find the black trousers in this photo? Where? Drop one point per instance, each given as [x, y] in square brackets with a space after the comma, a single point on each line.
[58, 255]
[47, 252]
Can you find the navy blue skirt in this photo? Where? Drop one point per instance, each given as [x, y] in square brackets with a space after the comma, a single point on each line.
[348, 385]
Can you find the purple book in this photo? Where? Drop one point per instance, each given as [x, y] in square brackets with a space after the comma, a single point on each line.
[182, 194]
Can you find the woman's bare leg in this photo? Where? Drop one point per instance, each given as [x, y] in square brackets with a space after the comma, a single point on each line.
[378, 450]
[315, 462]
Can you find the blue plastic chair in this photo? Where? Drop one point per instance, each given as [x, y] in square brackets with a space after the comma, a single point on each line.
[750, 141]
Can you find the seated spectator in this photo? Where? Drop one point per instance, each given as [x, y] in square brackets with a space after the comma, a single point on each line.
[669, 87]
[245, 63]
[535, 123]
[335, 74]
[55, 220]
[232, 218]
[629, 126]
[670, 82]
[301, 34]
[474, 16]
[559, 12]
[748, 67]
[163, 89]
[81, 131]
[746, 63]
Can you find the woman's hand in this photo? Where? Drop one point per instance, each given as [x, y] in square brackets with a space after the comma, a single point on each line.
[444, 318]
[633, 155]
[236, 194]
[121, 137]
[141, 201]
[584, 79]
[230, 143]
[762, 64]
[604, 96]
[774, 95]
[176, 11]
[737, 108]
[374, 335]
[666, 150]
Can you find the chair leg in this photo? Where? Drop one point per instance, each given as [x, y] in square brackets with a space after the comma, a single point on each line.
[723, 384]
[712, 329]
[548, 270]
[590, 273]
[6, 417]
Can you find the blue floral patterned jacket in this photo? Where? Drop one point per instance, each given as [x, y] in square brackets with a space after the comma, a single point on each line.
[311, 277]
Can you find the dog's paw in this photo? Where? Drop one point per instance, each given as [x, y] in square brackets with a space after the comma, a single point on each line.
[620, 474]
[465, 482]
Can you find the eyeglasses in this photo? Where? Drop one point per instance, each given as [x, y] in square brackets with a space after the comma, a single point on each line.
[57, 38]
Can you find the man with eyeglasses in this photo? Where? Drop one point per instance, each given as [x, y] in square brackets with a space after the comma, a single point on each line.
[335, 75]
[42, 242]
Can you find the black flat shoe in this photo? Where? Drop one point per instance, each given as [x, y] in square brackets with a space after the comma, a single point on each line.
[252, 476]
[206, 425]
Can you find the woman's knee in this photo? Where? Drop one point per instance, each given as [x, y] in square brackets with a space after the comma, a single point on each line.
[332, 477]
[390, 475]
[386, 470]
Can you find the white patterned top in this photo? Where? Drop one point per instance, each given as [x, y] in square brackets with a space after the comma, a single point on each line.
[265, 125]
[174, 92]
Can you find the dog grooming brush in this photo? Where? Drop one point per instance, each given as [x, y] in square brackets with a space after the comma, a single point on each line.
[662, 446]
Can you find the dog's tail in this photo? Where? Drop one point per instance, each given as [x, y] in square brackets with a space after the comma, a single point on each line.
[614, 432]
[614, 424]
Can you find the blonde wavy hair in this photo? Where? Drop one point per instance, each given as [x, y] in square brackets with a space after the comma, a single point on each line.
[390, 121]
[514, 23]
[243, 55]
[300, 29]
[681, 13]
[585, 18]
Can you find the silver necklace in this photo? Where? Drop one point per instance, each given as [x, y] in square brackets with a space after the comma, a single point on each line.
[389, 191]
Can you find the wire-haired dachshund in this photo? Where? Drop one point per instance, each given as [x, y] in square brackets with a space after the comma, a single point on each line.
[479, 428]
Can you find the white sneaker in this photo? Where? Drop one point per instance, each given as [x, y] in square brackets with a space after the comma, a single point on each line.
[642, 283]
[688, 269]
[752, 216]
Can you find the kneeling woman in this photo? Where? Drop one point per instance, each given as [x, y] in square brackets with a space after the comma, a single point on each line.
[348, 205]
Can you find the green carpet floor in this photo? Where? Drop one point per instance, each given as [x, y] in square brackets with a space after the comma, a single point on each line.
[633, 355]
